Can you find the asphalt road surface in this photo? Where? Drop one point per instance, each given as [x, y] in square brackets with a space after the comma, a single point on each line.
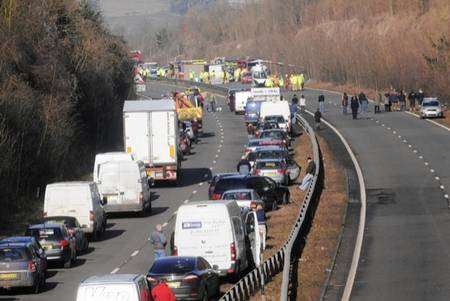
[406, 163]
[406, 167]
[124, 248]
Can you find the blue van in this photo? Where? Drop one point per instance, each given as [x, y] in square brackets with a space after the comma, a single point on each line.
[252, 111]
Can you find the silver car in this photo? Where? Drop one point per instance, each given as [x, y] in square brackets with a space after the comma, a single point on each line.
[431, 107]
[276, 169]
[245, 198]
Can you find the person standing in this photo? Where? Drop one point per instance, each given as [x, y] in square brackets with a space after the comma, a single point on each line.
[302, 103]
[159, 242]
[364, 102]
[309, 174]
[317, 118]
[162, 292]
[402, 100]
[420, 97]
[344, 103]
[354, 105]
[387, 102]
[412, 101]
[321, 103]
[378, 102]
[244, 167]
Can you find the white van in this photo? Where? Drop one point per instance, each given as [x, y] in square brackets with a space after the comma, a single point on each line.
[114, 287]
[215, 231]
[125, 186]
[78, 199]
[240, 101]
[281, 107]
[111, 156]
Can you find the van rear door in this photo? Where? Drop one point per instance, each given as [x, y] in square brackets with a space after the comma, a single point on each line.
[252, 229]
[205, 233]
[136, 138]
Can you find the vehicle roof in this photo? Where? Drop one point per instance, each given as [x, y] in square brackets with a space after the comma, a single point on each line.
[13, 244]
[17, 239]
[49, 218]
[209, 203]
[172, 258]
[149, 105]
[259, 139]
[426, 99]
[271, 116]
[239, 190]
[114, 153]
[111, 278]
[44, 226]
[273, 130]
[269, 160]
[70, 184]
[264, 148]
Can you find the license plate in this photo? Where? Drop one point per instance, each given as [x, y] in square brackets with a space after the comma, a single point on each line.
[173, 284]
[9, 276]
[47, 247]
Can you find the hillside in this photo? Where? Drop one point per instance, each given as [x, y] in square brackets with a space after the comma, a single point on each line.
[63, 79]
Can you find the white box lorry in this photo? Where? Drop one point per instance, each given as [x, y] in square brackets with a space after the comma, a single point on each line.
[240, 99]
[151, 136]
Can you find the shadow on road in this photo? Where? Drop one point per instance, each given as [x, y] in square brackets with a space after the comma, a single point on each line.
[208, 135]
[192, 176]
[110, 234]
[158, 210]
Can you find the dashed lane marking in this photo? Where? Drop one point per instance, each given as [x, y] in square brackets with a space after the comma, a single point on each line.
[200, 184]
[186, 201]
[115, 270]
[135, 253]
[194, 192]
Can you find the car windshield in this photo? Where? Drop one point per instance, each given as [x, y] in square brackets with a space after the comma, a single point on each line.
[177, 265]
[433, 103]
[272, 154]
[45, 233]
[258, 74]
[269, 165]
[272, 134]
[13, 254]
[230, 184]
[237, 195]
[279, 119]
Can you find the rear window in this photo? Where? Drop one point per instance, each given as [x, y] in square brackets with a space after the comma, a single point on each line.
[173, 266]
[229, 184]
[45, 233]
[272, 154]
[430, 104]
[275, 118]
[272, 134]
[14, 254]
[269, 165]
[69, 222]
[237, 195]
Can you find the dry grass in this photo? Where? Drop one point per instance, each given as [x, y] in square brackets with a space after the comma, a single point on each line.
[323, 237]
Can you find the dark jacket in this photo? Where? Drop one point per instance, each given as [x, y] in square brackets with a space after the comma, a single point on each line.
[354, 104]
[244, 162]
[311, 168]
[317, 116]
[321, 98]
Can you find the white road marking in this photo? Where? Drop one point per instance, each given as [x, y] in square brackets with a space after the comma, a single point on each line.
[415, 151]
[218, 150]
[426, 163]
[400, 136]
[186, 201]
[404, 141]
[383, 124]
[194, 192]
[217, 156]
[115, 270]
[214, 162]
[394, 132]
[409, 145]
[442, 187]
[446, 196]
[436, 178]
[211, 168]
[377, 121]
[389, 128]
[432, 170]
[420, 157]
[135, 253]
[165, 224]
[200, 184]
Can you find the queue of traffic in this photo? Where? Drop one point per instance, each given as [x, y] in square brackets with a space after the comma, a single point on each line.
[223, 236]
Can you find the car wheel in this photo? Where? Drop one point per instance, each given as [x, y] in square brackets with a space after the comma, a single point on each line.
[274, 205]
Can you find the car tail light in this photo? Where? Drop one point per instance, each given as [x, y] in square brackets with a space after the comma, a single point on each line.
[64, 243]
[257, 172]
[191, 278]
[216, 196]
[281, 171]
[31, 266]
[233, 251]
[175, 251]
[91, 216]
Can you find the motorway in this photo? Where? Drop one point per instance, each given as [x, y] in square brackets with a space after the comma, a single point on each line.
[125, 248]
[405, 162]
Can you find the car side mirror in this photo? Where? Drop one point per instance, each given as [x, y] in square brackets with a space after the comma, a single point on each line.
[215, 267]
[104, 201]
[250, 229]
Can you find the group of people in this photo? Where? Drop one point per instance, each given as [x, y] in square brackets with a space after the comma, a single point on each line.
[358, 103]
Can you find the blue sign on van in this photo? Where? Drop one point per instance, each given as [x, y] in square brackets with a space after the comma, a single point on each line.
[191, 225]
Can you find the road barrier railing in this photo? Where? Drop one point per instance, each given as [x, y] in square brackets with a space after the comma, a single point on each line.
[285, 259]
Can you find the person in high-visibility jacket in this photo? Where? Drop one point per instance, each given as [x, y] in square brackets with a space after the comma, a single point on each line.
[281, 82]
[191, 75]
[302, 81]
[269, 82]
[237, 74]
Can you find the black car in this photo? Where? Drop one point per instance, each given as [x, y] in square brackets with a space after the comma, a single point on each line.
[21, 266]
[74, 229]
[216, 178]
[189, 277]
[58, 244]
[271, 192]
